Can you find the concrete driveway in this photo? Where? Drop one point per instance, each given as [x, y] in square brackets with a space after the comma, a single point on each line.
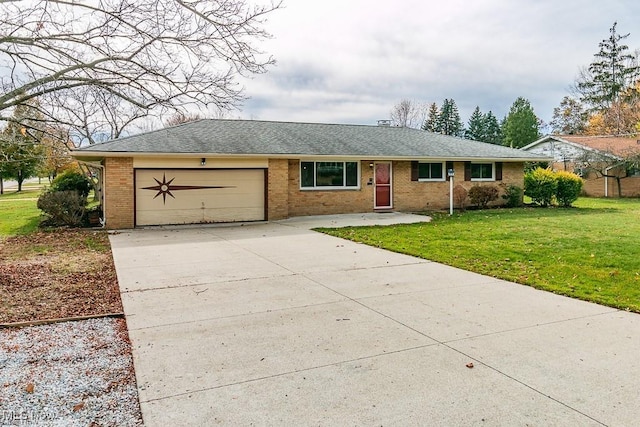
[274, 324]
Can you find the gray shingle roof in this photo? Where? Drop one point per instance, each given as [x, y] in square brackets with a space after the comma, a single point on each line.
[250, 137]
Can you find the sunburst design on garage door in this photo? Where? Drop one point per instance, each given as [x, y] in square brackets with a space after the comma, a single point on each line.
[165, 187]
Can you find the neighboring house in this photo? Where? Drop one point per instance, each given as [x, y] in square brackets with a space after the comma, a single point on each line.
[598, 159]
[243, 170]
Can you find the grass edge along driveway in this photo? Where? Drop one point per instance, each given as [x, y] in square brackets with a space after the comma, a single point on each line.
[590, 252]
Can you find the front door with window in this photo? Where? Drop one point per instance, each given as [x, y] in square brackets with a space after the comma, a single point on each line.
[383, 195]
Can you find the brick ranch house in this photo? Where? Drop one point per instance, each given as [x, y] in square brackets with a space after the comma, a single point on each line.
[597, 159]
[244, 170]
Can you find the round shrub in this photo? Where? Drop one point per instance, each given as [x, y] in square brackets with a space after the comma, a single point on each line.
[482, 195]
[62, 207]
[72, 181]
[569, 188]
[541, 185]
[512, 196]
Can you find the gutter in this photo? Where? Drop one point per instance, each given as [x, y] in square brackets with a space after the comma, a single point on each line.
[299, 156]
[103, 220]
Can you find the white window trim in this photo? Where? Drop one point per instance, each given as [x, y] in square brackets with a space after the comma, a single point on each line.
[444, 173]
[493, 172]
[330, 188]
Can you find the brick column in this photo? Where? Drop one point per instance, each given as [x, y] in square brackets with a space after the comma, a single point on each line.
[277, 189]
[119, 192]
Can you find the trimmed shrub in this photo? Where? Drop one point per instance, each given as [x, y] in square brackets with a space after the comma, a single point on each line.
[541, 185]
[569, 188]
[482, 195]
[460, 196]
[71, 180]
[63, 207]
[513, 196]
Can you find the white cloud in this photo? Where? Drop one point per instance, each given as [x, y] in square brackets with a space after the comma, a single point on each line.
[351, 61]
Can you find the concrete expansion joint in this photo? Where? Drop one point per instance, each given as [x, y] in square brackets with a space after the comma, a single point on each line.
[380, 267]
[292, 372]
[193, 285]
[523, 383]
[537, 325]
[255, 313]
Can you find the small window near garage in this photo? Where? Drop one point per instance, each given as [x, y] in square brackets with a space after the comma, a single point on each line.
[430, 172]
[482, 172]
[329, 175]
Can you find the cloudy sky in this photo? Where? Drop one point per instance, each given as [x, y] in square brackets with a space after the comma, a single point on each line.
[351, 61]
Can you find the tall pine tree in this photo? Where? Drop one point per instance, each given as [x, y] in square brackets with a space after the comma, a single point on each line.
[611, 73]
[476, 126]
[493, 133]
[431, 123]
[520, 127]
[449, 119]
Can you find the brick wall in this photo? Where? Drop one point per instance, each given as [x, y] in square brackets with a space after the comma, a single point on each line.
[285, 199]
[630, 186]
[407, 195]
[418, 196]
[277, 189]
[318, 202]
[119, 192]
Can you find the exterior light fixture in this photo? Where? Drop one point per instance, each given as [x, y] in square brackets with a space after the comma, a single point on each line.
[203, 161]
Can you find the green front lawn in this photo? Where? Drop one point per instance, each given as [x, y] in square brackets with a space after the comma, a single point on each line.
[591, 252]
[18, 212]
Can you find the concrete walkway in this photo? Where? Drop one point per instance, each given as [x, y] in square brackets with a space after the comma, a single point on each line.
[273, 324]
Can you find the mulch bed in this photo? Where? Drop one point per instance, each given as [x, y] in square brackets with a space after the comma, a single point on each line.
[68, 372]
[57, 274]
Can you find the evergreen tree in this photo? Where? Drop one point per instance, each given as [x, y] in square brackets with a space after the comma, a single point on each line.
[520, 127]
[492, 131]
[431, 123]
[476, 126]
[449, 119]
[611, 73]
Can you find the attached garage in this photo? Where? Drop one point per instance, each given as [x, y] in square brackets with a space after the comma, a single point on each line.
[191, 196]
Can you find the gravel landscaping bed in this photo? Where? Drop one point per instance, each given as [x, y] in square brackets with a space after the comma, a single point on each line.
[68, 374]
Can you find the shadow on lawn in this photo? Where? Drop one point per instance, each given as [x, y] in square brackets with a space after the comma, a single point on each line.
[28, 227]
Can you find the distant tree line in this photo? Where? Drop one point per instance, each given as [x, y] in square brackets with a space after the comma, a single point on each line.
[518, 128]
[605, 100]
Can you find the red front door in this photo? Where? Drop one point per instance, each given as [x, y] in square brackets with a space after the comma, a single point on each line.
[383, 196]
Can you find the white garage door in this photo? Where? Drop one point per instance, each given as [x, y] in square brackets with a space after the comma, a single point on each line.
[183, 196]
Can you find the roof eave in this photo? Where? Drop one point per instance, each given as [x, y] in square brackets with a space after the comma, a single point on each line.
[93, 155]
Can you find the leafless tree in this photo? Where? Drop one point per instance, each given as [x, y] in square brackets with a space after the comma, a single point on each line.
[605, 164]
[408, 113]
[86, 59]
[180, 118]
[93, 115]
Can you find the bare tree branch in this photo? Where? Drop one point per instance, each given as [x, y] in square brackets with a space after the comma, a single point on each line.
[408, 113]
[147, 55]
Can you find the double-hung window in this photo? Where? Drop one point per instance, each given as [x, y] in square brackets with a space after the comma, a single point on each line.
[329, 175]
[431, 171]
[482, 172]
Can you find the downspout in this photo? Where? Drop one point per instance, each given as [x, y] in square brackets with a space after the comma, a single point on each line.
[606, 181]
[103, 202]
